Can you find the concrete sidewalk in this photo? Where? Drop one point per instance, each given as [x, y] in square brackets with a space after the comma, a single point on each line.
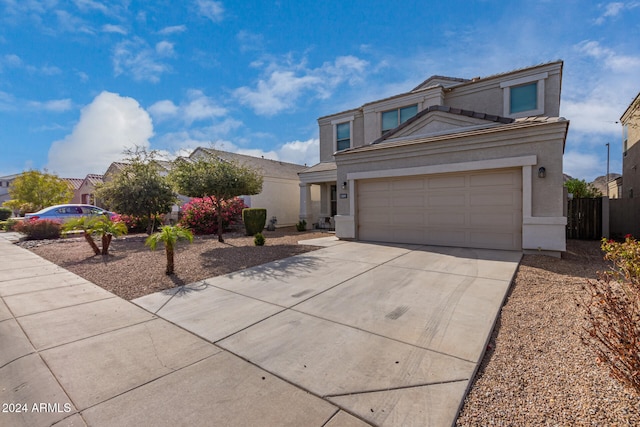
[353, 334]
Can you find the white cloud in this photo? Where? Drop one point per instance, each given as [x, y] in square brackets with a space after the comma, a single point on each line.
[164, 48]
[173, 30]
[249, 41]
[90, 5]
[611, 10]
[12, 60]
[138, 59]
[283, 85]
[587, 166]
[610, 58]
[57, 105]
[197, 107]
[107, 126]
[211, 9]
[110, 28]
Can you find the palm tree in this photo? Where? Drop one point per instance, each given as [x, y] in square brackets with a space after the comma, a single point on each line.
[83, 224]
[107, 230]
[169, 236]
[101, 225]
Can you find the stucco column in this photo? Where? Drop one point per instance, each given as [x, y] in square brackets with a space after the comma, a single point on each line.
[305, 203]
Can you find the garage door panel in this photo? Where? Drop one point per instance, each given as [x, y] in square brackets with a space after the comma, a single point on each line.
[439, 182]
[410, 200]
[444, 201]
[408, 217]
[499, 179]
[447, 219]
[473, 209]
[408, 184]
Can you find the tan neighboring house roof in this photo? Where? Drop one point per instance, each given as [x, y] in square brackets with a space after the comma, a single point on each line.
[94, 179]
[74, 183]
[269, 168]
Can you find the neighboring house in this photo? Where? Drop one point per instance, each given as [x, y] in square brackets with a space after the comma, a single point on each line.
[74, 185]
[454, 162]
[631, 149]
[5, 182]
[86, 192]
[280, 187]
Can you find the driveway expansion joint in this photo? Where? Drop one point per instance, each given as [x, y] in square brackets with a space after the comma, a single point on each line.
[402, 387]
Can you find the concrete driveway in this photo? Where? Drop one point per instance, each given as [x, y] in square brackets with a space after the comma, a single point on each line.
[391, 334]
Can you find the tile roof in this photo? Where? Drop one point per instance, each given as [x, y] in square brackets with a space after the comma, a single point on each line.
[94, 179]
[74, 183]
[419, 139]
[321, 167]
[268, 167]
[450, 110]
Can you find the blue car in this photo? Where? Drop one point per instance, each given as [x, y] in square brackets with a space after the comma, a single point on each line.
[63, 213]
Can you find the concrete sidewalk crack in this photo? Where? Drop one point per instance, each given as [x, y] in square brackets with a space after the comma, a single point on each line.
[405, 387]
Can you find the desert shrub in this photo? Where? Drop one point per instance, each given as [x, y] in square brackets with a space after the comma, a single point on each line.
[301, 225]
[5, 213]
[254, 220]
[259, 239]
[613, 312]
[39, 229]
[9, 225]
[200, 215]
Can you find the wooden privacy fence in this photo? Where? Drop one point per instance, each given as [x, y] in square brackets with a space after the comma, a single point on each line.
[584, 219]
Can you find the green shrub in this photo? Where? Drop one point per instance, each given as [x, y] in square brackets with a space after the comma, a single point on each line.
[9, 225]
[259, 239]
[301, 225]
[39, 229]
[5, 213]
[254, 220]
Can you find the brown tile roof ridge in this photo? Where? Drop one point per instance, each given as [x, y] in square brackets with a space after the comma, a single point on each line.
[75, 183]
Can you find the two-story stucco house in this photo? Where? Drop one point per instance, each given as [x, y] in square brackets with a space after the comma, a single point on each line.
[454, 162]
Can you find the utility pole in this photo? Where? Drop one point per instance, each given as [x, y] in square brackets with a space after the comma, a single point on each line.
[607, 179]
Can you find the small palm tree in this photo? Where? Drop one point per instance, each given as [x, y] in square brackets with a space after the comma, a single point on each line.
[100, 225]
[83, 224]
[107, 230]
[169, 236]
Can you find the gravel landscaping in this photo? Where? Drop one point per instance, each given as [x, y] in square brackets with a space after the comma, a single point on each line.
[536, 371]
[132, 270]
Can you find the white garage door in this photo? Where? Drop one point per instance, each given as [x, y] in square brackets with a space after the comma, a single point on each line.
[481, 209]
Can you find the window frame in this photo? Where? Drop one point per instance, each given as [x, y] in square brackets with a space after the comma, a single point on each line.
[398, 117]
[334, 126]
[524, 81]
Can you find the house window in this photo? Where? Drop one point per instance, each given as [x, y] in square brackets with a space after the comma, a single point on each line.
[343, 136]
[523, 98]
[393, 118]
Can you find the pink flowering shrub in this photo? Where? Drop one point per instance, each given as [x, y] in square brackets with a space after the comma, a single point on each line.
[136, 224]
[200, 216]
[39, 229]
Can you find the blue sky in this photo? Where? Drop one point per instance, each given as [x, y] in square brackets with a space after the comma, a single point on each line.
[80, 80]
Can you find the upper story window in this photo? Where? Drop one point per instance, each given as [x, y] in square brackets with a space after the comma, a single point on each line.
[393, 118]
[343, 136]
[342, 133]
[524, 96]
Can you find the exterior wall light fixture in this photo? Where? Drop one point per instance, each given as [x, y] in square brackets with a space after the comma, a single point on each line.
[344, 185]
[542, 172]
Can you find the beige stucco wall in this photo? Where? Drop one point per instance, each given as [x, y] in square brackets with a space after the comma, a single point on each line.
[280, 197]
[543, 199]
